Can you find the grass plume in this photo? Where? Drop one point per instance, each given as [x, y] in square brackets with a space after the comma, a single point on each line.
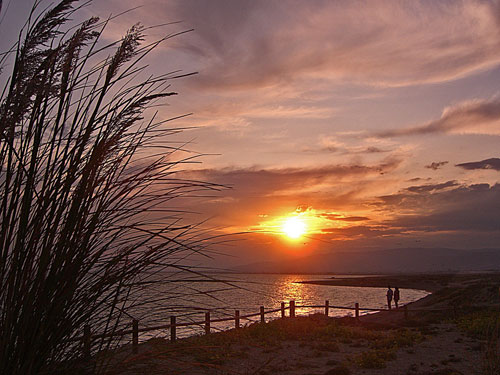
[84, 205]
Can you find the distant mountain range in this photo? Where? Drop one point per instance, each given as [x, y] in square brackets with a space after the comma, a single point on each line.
[406, 260]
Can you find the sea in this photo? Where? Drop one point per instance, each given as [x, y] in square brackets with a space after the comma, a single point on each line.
[247, 292]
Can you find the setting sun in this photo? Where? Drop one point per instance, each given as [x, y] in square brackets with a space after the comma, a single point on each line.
[294, 227]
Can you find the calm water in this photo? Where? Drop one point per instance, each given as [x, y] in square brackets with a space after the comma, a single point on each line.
[251, 291]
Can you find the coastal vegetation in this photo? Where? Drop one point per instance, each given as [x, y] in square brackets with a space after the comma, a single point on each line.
[92, 244]
[446, 333]
[87, 177]
[484, 325]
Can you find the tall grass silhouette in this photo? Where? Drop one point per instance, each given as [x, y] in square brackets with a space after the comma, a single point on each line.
[86, 180]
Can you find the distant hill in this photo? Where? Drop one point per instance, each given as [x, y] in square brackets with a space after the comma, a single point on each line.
[404, 260]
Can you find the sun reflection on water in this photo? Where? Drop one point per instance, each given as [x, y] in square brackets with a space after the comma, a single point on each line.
[291, 290]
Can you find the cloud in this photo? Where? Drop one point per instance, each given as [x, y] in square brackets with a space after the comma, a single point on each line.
[413, 196]
[440, 214]
[365, 231]
[251, 44]
[492, 163]
[332, 145]
[435, 165]
[278, 191]
[446, 207]
[272, 180]
[431, 187]
[336, 217]
[343, 195]
[459, 215]
[232, 107]
[478, 212]
[470, 117]
[416, 179]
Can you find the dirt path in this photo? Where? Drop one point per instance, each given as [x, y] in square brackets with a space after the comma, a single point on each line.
[442, 349]
[429, 342]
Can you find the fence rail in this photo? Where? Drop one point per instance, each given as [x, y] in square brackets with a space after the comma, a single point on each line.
[87, 336]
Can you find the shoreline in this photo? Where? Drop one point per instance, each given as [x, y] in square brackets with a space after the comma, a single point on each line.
[432, 339]
[443, 293]
[429, 283]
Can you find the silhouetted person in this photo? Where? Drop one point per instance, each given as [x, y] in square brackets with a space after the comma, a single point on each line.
[396, 296]
[389, 296]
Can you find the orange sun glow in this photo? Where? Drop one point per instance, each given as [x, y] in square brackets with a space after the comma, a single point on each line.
[294, 227]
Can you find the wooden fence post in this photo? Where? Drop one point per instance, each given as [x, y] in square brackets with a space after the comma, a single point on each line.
[173, 329]
[135, 336]
[292, 309]
[86, 341]
[207, 322]
[87, 334]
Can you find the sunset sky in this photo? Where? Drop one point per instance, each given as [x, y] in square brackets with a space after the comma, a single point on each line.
[377, 123]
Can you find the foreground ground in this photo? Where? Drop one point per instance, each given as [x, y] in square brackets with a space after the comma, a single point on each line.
[452, 331]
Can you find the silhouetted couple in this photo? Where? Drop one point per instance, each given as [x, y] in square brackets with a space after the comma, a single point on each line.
[390, 295]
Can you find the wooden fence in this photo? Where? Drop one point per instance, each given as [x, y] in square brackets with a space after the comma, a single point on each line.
[87, 337]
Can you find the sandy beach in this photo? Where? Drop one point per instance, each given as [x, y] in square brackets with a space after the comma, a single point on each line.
[444, 333]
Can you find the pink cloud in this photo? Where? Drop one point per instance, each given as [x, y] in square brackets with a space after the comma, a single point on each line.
[258, 43]
[469, 117]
